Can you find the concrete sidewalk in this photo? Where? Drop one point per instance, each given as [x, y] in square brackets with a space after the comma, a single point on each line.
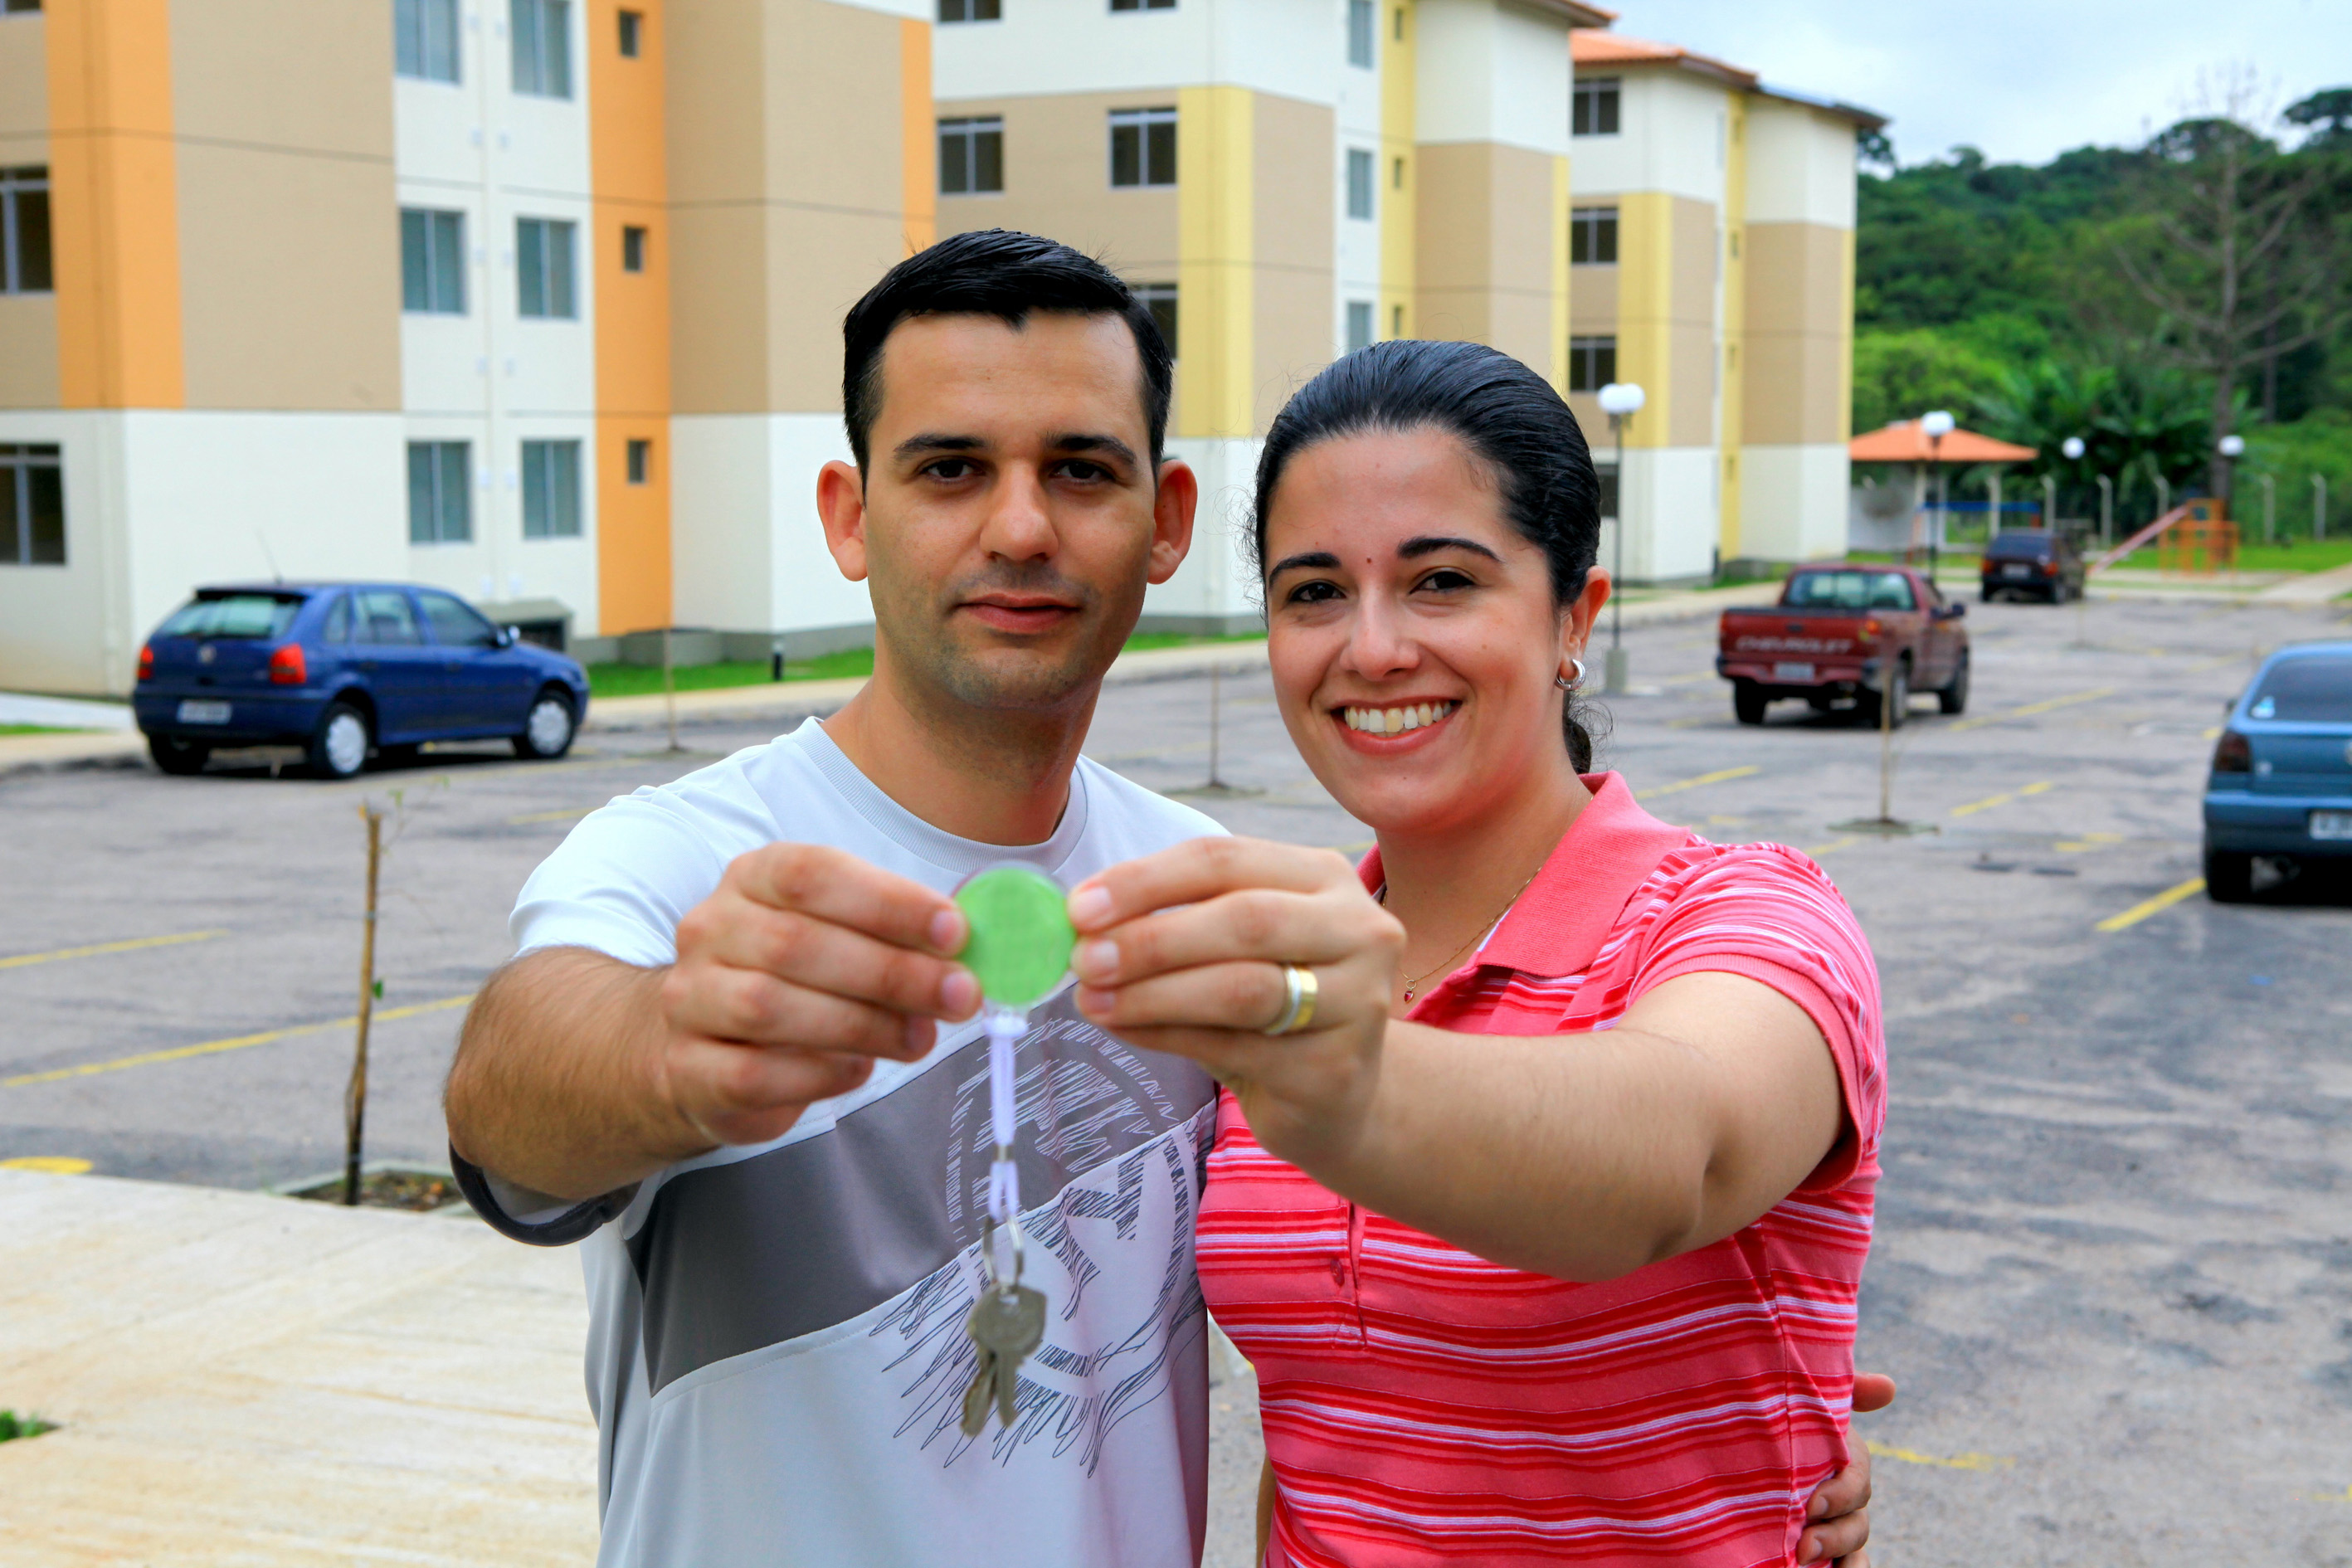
[260, 1381]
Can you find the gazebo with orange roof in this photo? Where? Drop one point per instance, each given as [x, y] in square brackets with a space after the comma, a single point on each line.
[1903, 441]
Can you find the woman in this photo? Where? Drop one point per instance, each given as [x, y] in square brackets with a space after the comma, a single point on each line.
[1544, 1176]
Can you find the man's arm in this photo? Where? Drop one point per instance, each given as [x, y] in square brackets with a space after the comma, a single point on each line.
[578, 1074]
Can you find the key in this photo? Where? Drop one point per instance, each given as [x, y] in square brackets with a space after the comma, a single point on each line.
[1008, 1326]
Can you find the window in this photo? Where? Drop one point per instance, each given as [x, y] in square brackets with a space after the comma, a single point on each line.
[1360, 183]
[972, 157]
[1359, 32]
[1607, 474]
[1159, 298]
[1360, 324]
[383, 616]
[1592, 363]
[1400, 24]
[455, 622]
[339, 619]
[1396, 320]
[1396, 175]
[1143, 4]
[541, 35]
[1143, 146]
[543, 267]
[425, 38]
[551, 489]
[633, 34]
[972, 11]
[32, 507]
[9, 5]
[1851, 591]
[1592, 235]
[1595, 109]
[440, 496]
[431, 262]
[633, 248]
[641, 459]
[25, 231]
[260, 618]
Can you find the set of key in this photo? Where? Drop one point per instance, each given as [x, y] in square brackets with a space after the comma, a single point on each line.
[1007, 1324]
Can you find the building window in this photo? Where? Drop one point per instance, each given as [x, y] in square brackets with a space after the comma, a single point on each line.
[633, 34]
[12, 6]
[425, 38]
[1360, 183]
[1143, 4]
[541, 35]
[1159, 298]
[1360, 324]
[641, 459]
[1592, 235]
[972, 157]
[1607, 474]
[1143, 146]
[25, 231]
[431, 262]
[1592, 363]
[551, 489]
[1396, 175]
[32, 507]
[1359, 32]
[633, 247]
[972, 11]
[1400, 24]
[440, 494]
[1595, 111]
[1396, 320]
[543, 267]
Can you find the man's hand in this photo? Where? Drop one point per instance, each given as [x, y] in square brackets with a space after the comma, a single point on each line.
[1840, 1507]
[805, 967]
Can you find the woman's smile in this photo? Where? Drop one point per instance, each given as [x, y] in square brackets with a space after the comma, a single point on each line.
[1377, 727]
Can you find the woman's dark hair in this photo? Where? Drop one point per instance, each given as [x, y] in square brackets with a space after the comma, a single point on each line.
[1508, 415]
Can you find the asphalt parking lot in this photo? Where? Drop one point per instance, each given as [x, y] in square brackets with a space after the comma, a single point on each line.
[2114, 1267]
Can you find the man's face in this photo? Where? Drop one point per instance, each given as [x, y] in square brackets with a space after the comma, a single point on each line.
[1009, 517]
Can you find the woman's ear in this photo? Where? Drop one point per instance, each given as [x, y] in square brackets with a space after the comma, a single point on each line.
[1582, 613]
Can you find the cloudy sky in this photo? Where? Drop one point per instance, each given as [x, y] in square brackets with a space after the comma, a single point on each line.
[2023, 80]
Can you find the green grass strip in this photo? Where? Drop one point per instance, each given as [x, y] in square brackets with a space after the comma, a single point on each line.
[646, 681]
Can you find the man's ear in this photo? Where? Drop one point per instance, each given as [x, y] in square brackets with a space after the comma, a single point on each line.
[1171, 518]
[841, 508]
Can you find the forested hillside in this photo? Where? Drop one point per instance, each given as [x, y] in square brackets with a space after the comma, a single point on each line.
[2113, 293]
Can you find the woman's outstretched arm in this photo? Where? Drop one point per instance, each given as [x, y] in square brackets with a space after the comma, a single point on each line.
[1580, 1156]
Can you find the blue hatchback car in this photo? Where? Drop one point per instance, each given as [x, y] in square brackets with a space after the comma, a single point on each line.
[2282, 779]
[345, 670]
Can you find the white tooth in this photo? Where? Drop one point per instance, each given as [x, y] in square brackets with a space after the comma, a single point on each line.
[1388, 719]
[1427, 715]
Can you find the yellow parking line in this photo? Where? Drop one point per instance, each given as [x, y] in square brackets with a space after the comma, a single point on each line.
[213, 1047]
[2036, 787]
[95, 948]
[1680, 784]
[2157, 905]
[570, 814]
[1832, 847]
[2031, 709]
[49, 1164]
[1956, 1462]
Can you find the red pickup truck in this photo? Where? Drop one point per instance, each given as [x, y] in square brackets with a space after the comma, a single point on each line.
[1824, 642]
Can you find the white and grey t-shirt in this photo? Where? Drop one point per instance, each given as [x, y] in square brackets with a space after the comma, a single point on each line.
[777, 1357]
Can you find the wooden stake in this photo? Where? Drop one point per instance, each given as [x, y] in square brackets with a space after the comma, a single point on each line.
[355, 1097]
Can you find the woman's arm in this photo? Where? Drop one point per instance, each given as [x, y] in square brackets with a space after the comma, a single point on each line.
[1580, 1156]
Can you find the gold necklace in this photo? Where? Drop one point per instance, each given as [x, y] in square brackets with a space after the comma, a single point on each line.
[1414, 983]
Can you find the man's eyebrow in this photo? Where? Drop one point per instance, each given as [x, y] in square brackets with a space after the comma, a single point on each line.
[915, 446]
[1431, 543]
[1090, 441]
[1312, 559]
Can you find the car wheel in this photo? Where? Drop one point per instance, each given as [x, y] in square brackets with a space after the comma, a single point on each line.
[339, 747]
[1954, 697]
[548, 731]
[1984, 595]
[1748, 703]
[181, 757]
[2229, 876]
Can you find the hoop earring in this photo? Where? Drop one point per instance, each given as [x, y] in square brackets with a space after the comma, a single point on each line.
[1575, 681]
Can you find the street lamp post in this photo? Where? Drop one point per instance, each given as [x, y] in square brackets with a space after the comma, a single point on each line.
[2318, 506]
[2106, 511]
[1621, 400]
[2269, 509]
[2072, 448]
[2232, 447]
[1936, 425]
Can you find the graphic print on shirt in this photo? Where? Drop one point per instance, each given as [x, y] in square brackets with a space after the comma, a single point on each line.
[737, 1258]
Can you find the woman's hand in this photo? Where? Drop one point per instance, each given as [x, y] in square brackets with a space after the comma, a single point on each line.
[1184, 952]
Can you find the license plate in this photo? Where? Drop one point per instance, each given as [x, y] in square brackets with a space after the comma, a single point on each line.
[2017, 569]
[2331, 825]
[1792, 672]
[195, 711]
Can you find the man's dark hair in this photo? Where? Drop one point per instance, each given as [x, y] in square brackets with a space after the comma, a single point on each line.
[992, 272]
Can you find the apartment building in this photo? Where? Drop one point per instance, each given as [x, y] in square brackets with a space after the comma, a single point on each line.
[481, 293]
[1713, 265]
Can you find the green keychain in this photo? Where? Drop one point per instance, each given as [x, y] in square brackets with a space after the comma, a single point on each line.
[1021, 935]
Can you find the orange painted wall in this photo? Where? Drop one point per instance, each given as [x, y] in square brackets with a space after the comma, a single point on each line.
[114, 206]
[628, 177]
[922, 133]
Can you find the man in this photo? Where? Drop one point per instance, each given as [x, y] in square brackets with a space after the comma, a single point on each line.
[735, 1057]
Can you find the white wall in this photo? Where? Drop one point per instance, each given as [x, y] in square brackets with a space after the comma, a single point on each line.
[1215, 578]
[749, 554]
[1793, 501]
[67, 629]
[1297, 49]
[1671, 133]
[1670, 494]
[1492, 72]
[1800, 164]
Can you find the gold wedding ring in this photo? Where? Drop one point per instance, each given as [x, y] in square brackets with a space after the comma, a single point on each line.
[1299, 1000]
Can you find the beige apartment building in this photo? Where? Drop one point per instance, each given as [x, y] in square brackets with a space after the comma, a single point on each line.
[539, 301]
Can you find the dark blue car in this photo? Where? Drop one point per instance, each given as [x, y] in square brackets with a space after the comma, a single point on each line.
[2282, 779]
[344, 670]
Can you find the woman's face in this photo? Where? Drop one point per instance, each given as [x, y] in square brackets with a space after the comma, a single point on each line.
[1412, 633]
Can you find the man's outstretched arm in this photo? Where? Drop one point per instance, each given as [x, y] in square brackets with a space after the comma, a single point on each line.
[578, 1074]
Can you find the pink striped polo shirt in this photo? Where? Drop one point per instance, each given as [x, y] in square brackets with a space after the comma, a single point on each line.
[1423, 1406]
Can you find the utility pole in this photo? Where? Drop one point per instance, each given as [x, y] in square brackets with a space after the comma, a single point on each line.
[1621, 400]
[2106, 511]
[1936, 423]
[2318, 506]
[2269, 509]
